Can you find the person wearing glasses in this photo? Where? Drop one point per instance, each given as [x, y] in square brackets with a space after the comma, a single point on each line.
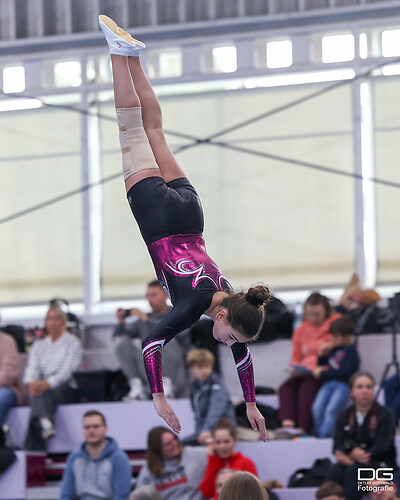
[174, 470]
[99, 469]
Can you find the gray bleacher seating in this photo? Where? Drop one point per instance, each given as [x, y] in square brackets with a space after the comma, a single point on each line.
[129, 422]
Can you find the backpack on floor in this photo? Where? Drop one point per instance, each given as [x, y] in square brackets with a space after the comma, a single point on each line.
[7, 456]
[269, 413]
[315, 476]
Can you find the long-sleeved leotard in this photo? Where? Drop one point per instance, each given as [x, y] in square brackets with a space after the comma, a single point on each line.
[183, 268]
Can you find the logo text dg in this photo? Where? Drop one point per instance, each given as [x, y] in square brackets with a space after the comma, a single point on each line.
[380, 474]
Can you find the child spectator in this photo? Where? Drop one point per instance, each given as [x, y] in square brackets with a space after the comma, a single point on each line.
[336, 367]
[209, 397]
[243, 486]
[381, 490]
[220, 480]
[224, 455]
[330, 491]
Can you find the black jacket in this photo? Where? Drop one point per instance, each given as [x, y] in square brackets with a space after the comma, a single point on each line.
[375, 435]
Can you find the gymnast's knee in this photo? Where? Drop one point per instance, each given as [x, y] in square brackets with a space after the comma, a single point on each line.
[137, 154]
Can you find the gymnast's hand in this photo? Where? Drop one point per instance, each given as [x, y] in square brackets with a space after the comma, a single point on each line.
[166, 412]
[256, 420]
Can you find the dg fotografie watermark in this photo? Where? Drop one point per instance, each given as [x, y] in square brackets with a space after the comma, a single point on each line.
[373, 480]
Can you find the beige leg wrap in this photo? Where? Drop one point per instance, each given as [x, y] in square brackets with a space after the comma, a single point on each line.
[136, 151]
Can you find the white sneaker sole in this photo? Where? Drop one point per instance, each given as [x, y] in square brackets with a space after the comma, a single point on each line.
[119, 41]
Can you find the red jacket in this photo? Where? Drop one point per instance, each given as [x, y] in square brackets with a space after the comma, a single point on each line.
[237, 461]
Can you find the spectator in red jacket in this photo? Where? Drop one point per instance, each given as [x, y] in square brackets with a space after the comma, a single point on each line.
[223, 455]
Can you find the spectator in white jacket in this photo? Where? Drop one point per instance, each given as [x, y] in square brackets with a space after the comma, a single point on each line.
[49, 376]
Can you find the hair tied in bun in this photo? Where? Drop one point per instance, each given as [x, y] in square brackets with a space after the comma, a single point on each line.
[254, 300]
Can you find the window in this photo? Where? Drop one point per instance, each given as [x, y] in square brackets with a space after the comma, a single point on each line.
[13, 79]
[279, 54]
[164, 63]
[363, 41]
[391, 43]
[224, 59]
[338, 48]
[170, 64]
[67, 74]
[98, 69]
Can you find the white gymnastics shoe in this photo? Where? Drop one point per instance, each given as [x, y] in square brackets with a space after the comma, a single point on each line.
[119, 41]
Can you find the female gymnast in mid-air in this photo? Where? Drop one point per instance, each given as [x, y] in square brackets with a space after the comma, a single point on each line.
[169, 214]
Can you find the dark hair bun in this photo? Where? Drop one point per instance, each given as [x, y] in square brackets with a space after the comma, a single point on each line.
[258, 295]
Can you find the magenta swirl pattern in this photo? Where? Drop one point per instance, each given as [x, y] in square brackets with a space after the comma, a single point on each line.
[246, 376]
[152, 363]
[185, 256]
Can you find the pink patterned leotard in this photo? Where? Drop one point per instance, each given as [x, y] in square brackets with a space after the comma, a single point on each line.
[170, 219]
[190, 278]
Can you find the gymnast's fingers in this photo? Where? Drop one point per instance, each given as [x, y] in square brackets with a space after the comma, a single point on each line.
[172, 420]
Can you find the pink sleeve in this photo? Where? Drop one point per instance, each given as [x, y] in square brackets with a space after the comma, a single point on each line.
[244, 366]
[152, 363]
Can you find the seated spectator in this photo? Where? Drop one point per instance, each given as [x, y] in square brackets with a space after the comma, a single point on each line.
[355, 296]
[335, 366]
[381, 490]
[330, 491]
[99, 469]
[147, 492]
[223, 455]
[392, 394]
[18, 333]
[11, 390]
[49, 376]
[243, 486]
[174, 470]
[361, 305]
[270, 485]
[201, 337]
[278, 323]
[297, 394]
[220, 480]
[128, 347]
[209, 396]
[364, 436]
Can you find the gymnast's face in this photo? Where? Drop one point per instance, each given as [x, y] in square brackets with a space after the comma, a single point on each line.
[223, 331]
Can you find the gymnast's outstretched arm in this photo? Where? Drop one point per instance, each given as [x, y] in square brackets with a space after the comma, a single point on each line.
[182, 316]
[244, 366]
